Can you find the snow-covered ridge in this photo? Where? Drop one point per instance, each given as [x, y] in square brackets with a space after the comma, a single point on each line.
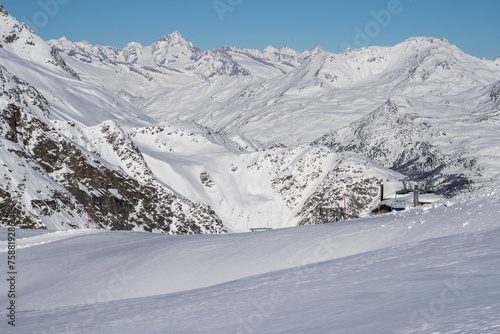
[169, 62]
[17, 38]
[326, 86]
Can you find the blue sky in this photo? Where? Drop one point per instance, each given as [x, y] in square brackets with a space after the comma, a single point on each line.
[472, 25]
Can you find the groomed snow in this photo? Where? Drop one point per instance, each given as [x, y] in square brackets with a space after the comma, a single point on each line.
[431, 269]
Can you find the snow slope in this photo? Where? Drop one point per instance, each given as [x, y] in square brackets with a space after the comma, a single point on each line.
[249, 187]
[431, 269]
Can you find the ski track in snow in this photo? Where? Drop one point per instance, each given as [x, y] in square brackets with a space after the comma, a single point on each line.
[44, 238]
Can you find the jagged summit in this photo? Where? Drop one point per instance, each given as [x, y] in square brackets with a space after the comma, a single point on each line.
[271, 49]
[317, 49]
[288, 51]
[133, 45]
[174, 36]
[174, 39]
[170, 61]
[423, 39]
[285, 50]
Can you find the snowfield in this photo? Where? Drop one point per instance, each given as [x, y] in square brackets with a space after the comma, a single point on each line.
[431, 269]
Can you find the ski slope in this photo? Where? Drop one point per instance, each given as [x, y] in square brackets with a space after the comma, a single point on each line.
[431, 269]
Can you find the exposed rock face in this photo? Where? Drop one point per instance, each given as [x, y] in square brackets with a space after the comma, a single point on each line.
[415, 145]
[306, 178]
[58, 61]
[495, 95]
[361, 191]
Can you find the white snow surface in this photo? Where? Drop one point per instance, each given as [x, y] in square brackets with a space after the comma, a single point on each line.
[431, 269]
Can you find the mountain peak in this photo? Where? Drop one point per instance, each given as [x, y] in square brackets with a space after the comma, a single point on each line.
[431, 40]
[132, 45]
[175, 38]
[288, 50]
[283, 50]
[271, 49]
[317, 50]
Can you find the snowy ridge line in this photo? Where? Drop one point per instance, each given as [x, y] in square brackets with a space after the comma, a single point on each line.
[47, 238]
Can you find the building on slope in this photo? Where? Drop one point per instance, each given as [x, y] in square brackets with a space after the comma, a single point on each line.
[404, 194]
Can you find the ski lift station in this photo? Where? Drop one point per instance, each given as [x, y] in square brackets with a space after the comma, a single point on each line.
[403, 194]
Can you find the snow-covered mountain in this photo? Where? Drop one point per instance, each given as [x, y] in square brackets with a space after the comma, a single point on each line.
[82, 153]
[66, 155]
[251, 187]
[269, 62]
[423, 107]
[173, 139]
[408, 135]
[17, 38]
[316, 83]
[143, 72]
[343, 87]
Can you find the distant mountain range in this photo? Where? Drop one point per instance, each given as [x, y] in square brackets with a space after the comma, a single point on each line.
[422, 107]
[175, 139]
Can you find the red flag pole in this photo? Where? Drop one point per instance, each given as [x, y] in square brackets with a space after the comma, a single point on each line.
[345, 209]
[88, 218]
